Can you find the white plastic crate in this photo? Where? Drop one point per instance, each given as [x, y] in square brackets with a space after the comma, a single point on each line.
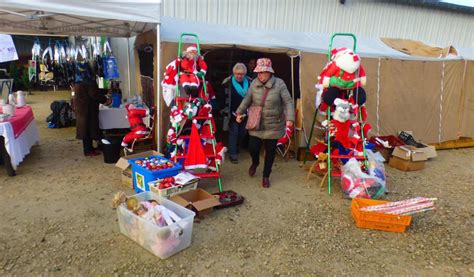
[161, 241]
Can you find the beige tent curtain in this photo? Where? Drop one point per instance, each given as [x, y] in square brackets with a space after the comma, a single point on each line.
[410, 96]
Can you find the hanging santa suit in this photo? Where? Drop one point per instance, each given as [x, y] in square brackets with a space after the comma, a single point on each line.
[138, 129]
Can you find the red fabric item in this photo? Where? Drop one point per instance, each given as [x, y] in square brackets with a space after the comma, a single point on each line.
[138, 129]
[22, 118]
[341, 132]
[211, 94]
[195, 157]
[286, 138]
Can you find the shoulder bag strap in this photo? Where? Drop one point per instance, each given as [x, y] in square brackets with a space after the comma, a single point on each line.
[265, 94]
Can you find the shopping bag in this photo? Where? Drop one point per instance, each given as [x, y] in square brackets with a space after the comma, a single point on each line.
[111, 70]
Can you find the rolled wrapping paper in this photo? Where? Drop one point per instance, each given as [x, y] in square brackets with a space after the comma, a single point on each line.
[396, 203]
[409, 209]
[419, 211]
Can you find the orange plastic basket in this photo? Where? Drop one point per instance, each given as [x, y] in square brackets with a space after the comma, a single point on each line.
[378, 221]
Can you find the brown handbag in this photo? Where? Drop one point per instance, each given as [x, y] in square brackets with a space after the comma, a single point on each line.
[255, 114]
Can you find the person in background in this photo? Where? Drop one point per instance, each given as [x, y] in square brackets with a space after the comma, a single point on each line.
[86, 102]
[277, 112]
[238, 85]
[250, 67]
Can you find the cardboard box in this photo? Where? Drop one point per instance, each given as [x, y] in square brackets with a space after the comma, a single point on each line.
[198, 200]
[409, 153]
[406, 165]
[429, 150]
[126, 173]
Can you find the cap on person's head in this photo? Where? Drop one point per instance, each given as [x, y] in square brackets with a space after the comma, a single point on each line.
[192, 47]
[264, 65]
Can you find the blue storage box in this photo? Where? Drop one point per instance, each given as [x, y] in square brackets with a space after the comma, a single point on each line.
[142, 176]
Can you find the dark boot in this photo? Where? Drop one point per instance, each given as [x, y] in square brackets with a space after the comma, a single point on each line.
[266, 182]
[252, 170]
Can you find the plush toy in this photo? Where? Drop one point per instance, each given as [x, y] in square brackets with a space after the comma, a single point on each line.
[138, 129]
[171, 137]
[344, 72]
[205, 110]
[192, 68]
[345, 133]
[176, 115]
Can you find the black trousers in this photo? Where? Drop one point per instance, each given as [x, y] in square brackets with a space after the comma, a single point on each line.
[255, 144]
[87, 145]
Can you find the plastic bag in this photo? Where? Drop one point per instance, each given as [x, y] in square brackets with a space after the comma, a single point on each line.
[357, 184]
[376, 167]
[111, 70]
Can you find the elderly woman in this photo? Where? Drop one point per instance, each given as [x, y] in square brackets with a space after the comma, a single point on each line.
[277, 111]
[238, 85]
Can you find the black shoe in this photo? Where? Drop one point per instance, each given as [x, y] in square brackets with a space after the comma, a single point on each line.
[234, 160]
[409, 140]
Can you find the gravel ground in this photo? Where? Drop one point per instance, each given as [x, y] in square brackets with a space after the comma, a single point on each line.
[55, 218]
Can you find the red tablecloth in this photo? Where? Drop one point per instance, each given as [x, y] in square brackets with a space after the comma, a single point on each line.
[22, 118]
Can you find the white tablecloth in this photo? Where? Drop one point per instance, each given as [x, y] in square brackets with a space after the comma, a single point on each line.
[113, 118]
[20, 147]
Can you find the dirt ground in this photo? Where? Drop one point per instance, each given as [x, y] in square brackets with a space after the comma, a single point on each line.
[55, 218]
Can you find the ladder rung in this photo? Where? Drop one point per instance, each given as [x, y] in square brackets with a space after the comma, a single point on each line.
[201, 136]
[347, 157]
[212, 156]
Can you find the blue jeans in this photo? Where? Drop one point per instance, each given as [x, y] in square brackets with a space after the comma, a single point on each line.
[237, 132]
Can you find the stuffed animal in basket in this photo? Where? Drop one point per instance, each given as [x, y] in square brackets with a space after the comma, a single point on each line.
[344, 72]
[135, 115]
[192, 68]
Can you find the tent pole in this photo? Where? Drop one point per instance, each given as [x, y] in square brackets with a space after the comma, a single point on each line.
[128, 67]
[158, 94]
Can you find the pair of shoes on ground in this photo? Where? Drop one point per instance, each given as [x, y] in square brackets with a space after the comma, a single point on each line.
[265, 180]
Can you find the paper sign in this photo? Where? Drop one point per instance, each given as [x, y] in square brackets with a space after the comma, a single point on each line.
[7, 49]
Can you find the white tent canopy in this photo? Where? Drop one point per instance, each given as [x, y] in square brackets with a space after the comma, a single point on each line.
[116, 18]
[171, 28]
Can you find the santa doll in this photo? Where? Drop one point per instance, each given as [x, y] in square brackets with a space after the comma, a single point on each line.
[343, 73]
[192, 69]
[135, 115]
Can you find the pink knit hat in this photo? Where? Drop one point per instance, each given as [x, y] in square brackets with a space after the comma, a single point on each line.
[264, 65]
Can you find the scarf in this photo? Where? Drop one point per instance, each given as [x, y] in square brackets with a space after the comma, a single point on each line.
[241, 90]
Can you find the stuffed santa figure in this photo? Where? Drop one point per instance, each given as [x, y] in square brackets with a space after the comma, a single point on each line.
[343, 73]
[345, 133]
[176, 115]
[138, 129]
[192, 68]
[213, 162]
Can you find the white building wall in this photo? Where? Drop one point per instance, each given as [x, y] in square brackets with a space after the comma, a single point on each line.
[362, 17]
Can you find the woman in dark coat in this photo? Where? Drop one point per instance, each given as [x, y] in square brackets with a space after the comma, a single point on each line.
[86, 102]
[278, 112]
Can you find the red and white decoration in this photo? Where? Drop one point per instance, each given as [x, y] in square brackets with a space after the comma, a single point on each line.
[138, 129]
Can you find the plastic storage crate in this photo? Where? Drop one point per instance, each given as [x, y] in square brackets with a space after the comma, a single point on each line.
[163, 242]
[375, 220]
[142, 176]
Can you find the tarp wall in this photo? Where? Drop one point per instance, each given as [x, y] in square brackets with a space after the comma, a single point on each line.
[406, 95]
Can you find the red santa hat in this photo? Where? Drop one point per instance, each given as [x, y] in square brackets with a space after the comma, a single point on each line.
[336, 51]
[195, 157]
[205, 111]
[192, 47]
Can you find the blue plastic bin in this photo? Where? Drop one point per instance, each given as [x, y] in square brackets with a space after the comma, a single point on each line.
[142, 176]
